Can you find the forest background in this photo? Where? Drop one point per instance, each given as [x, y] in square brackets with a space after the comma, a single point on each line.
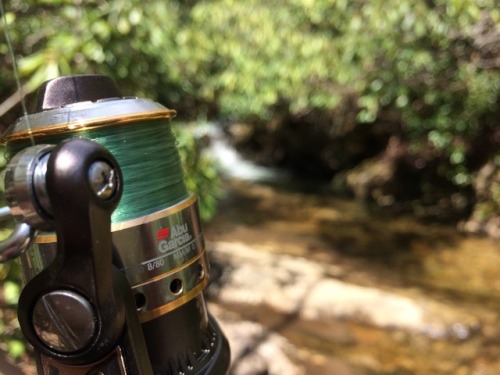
[395, 103]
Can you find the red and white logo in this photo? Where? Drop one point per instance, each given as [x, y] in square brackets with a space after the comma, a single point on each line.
[172, 239]
[163, 234]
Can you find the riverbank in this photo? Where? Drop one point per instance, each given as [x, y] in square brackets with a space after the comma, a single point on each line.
[350, 287]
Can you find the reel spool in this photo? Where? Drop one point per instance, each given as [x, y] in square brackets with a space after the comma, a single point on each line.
[156, 227]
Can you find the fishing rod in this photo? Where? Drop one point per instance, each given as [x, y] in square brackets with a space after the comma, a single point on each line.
[109, 239]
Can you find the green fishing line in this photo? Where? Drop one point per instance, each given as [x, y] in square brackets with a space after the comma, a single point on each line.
[150, 163]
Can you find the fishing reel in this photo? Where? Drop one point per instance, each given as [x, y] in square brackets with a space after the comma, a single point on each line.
[114, 273]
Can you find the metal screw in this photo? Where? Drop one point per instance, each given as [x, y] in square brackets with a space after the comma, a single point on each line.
[64, 321]
[103, 179]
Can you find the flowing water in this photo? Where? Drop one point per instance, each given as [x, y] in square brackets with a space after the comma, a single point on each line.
[362, 246]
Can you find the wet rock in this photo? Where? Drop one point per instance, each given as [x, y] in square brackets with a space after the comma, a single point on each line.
[485, 218]
[296, 285]
[252, 277]
[254, 349]
[373, 178]
[335, 299]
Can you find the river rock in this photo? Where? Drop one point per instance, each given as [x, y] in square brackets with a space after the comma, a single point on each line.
[254, 349]
[296, 285]
[485, 218]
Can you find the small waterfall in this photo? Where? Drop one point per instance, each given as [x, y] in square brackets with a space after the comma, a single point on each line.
[231, 164]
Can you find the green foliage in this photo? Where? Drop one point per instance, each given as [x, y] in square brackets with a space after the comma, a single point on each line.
[200, 170]
[124, 39]
[422, 60]
[11, 339]
[10, 336]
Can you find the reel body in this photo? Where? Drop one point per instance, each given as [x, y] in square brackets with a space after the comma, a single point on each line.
[156, 233]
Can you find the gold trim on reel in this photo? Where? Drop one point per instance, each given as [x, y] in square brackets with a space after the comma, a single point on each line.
[95, 123]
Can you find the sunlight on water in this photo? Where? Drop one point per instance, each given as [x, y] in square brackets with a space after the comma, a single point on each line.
[231, 164]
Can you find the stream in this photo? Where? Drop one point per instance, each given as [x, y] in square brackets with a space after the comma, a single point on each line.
[349, 288]
[399, 296]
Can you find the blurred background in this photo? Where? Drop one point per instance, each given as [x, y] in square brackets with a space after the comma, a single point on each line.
[346, 154]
